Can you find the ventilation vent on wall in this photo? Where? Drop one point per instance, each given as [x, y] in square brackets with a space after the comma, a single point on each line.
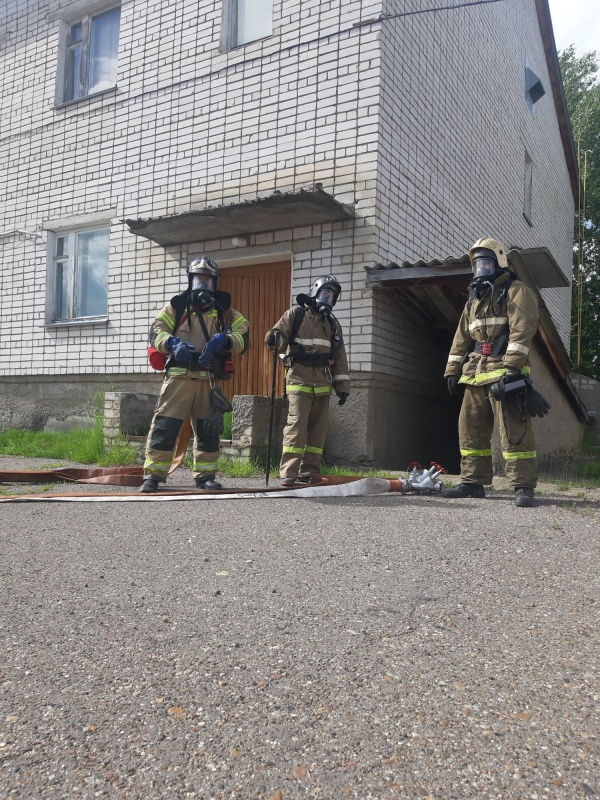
[534, 89]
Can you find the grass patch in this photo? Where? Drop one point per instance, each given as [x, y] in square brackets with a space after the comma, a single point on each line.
[78, 445]
[82, 445]
[369, 473]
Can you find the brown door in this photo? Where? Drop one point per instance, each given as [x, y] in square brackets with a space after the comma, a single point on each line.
[261, 293]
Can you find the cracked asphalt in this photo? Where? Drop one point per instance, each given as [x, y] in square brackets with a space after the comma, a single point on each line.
[374, 647]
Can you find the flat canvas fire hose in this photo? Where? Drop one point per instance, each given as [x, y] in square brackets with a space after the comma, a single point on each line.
[419, 481]
[353, 487]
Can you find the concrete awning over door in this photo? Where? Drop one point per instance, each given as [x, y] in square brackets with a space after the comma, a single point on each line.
[273, 213]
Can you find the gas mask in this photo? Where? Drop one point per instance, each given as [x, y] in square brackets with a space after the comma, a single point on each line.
[325, 300]
[203, 289]
[485, 271]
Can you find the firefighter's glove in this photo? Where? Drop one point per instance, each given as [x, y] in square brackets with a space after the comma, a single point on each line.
[452, 383]
[219, 404]
[271, 339]
[182, 351]
[343, 397]
[535, 403]
[214, 344]
[512, 374]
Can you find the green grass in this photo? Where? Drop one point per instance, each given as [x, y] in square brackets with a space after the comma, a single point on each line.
[369, 473]
[78, 445]
[82, 445]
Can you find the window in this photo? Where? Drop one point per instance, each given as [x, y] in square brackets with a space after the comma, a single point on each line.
[249, 20]
[534, 89]
[80, 275]
[528, 188]
[91, 55]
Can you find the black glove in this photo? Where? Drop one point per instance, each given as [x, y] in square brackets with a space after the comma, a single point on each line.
[271, 339]
[512, 374]
[452, 383]
[182, 351]
[213, 424]
[535, 403]
[343, 397]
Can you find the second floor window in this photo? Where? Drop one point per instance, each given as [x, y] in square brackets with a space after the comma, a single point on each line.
[79, 286]
[92, 48]
[250, 20]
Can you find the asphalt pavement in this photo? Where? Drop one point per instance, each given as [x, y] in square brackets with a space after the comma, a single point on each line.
[383, 646]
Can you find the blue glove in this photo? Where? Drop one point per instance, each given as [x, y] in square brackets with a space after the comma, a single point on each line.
[182, 351]
[216, 343]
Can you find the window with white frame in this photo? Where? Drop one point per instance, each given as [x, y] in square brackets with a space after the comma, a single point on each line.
[92, 47]
[249, 20]
[79, 285]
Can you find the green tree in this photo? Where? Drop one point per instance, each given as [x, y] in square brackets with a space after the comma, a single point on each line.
[582, 92]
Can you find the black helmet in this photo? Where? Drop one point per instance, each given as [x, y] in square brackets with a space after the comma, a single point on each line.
[204, 266]
[326, 282]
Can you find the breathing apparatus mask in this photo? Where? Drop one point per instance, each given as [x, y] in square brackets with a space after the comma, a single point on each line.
[324, 294]
[203, 275]
[489, 262]
[325, 300]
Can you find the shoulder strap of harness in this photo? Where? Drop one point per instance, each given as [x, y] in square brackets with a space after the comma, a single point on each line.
[299, 313]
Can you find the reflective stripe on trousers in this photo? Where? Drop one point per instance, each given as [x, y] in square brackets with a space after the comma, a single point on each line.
[478, 414]
[180, 398]
[304, 433]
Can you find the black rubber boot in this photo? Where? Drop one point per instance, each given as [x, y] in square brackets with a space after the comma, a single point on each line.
[465, 490]
[208, 482]
[524, 497]
[149, 485]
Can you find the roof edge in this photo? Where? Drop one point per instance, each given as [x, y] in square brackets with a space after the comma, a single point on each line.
[542, 8]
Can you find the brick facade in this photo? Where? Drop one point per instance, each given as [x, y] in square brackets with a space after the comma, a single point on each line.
[418, 122]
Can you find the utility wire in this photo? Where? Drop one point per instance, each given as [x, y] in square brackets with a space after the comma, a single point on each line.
[385, 17]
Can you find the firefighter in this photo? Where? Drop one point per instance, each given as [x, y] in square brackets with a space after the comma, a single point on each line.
[490, 352]
[316, 364]
[199, 331]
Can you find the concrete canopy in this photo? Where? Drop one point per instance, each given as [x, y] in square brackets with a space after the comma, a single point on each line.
[276, 212]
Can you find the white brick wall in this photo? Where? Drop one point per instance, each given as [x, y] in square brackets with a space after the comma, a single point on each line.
[454, 127]
[420, 122]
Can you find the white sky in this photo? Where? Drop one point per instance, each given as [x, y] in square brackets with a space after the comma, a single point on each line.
[576, 22]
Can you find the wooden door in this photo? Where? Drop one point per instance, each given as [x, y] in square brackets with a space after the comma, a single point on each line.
[261, 292]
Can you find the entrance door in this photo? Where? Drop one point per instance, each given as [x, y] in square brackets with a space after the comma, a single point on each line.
[261, 292]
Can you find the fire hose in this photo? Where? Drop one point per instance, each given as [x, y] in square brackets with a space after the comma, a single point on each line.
[418, 481]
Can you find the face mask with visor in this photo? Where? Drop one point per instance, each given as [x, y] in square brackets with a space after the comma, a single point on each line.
[325, 299]
[203, 288]
[484, 268]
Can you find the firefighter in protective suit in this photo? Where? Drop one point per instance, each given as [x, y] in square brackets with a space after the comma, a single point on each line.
[199, 331]
[316, 364]
[490, 352]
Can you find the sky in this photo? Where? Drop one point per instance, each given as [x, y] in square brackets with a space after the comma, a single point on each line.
[576, 22]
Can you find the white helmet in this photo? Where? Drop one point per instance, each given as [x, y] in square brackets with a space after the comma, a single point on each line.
[487, 257]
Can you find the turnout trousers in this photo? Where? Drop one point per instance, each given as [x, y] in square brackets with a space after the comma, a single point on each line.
[181, 397]
[478, 414]
[304, 433]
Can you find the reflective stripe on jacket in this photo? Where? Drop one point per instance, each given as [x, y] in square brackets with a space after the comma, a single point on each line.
[480, 322]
